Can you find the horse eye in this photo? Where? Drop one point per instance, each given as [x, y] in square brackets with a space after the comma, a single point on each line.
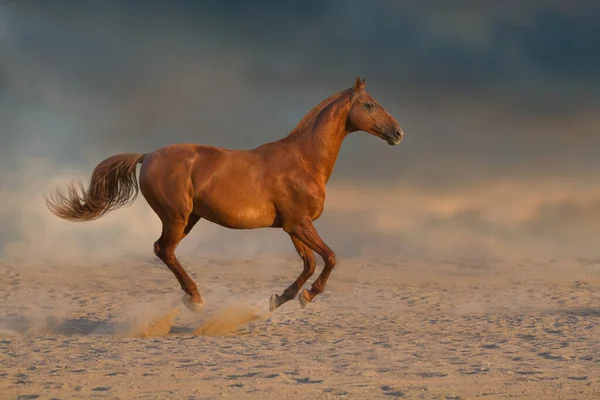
[369, 105]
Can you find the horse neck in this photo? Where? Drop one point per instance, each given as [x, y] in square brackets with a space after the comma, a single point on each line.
[320, 142]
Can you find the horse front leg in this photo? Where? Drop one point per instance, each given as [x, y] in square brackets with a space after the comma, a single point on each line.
[309, 269]
[307, 234]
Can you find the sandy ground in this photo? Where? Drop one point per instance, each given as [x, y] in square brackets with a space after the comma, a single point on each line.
[403, 329]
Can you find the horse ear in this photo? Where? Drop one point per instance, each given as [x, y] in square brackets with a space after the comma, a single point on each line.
[359, 85]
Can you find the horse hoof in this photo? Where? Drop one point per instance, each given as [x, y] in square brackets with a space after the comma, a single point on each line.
[303, 298]
[196, 307]
[273, 302]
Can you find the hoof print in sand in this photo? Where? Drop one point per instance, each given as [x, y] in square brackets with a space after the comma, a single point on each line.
[432, 374]
[389, 391]
[308, 380]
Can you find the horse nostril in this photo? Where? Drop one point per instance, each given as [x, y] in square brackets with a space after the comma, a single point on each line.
[399, 133]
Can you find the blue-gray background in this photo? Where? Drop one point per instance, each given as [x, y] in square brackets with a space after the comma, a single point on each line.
[500, 103]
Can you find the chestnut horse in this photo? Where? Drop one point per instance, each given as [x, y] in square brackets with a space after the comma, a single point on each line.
[279, 184]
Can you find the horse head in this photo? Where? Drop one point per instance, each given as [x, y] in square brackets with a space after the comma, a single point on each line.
[369, 116]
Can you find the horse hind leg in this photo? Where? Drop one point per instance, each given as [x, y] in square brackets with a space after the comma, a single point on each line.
[192, 221]
[173, 233]
[309, 269]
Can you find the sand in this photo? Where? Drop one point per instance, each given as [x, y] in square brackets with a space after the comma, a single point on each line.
[425, 329]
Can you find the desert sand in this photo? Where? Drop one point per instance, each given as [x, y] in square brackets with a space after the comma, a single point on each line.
[426, 329]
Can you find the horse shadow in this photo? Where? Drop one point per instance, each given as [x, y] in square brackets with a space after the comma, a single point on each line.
[71, 326]
[581, 312]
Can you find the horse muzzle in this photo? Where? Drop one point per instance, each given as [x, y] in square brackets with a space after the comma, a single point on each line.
[395, 137]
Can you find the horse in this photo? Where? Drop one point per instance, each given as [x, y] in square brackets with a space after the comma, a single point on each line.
[279, 184]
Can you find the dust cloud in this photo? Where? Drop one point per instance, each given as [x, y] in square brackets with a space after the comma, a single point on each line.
[513, 219]
[228, 319]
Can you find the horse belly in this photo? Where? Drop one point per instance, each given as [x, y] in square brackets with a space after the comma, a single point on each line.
[237, 212]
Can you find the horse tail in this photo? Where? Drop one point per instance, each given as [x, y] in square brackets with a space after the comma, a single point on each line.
[113, 185]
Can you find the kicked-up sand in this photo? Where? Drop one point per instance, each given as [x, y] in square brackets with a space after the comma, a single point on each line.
[403, 329]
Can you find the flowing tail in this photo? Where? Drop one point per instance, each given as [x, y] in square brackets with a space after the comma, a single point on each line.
[113, 185]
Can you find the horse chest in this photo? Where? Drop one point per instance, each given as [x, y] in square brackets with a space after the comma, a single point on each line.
[315, 204]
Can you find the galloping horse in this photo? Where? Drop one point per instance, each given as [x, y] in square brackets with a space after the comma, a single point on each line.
[279, 184]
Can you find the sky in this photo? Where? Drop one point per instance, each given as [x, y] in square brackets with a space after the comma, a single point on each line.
[499, 102]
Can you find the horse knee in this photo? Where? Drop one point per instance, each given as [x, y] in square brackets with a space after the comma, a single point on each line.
[157, 250]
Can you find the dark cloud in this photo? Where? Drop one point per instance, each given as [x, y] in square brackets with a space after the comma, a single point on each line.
[465, 47]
